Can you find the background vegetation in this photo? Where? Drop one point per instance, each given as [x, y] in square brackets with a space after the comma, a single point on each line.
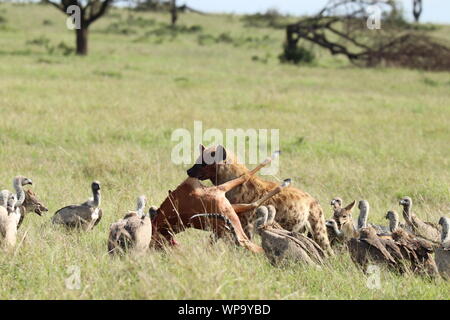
[376, 134]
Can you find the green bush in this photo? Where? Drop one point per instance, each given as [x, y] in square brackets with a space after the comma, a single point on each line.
[118, 28]
[296, 55]
[65, 49]
[61, 48]
[41, 41]
[270, 19]
[166, 32]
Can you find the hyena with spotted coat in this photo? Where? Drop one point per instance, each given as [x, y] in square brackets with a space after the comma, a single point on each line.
[296, 210]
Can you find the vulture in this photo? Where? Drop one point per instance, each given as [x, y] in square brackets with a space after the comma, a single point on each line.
[271, 212]
[18, 183]
[9, 219]
[415, 250]
[426, 230]
[281, 245]
[134, 231]
[370, 248]
[443, 252]
[363, 206]
[336, 203]
[394, 222]
[82, 216]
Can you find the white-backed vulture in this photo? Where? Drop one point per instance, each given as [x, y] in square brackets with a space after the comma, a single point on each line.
[415, 250]
[18, 183]
[83, 216]
[281, 245]
[443, 252]
[426, 230]
[133, 232]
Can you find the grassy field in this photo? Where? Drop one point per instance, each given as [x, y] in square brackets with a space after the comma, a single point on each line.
[376, 134]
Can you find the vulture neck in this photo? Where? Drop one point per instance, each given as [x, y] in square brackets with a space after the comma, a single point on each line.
[19, 191]
[393, 224]
[445, 237]
[362, 218]
[140, 208]
[97, 198]
[259, 223]
[407, 212]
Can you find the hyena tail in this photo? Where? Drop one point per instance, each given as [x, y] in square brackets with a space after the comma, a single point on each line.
[318, 228]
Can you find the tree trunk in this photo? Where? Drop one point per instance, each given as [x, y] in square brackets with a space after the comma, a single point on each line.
[82, 41]
[173, 11]
[417, 9]
[291, 40]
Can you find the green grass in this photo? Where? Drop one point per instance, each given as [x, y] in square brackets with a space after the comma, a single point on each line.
[376, 134]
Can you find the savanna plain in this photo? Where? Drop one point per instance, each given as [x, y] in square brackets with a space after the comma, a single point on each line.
[376, 134]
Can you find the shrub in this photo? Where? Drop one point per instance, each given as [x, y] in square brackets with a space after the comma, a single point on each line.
[61, 48]
[118, 28]
[168, 32]
[65, 49]
[271, 19]
[296, 55]
[41, 41]
[152, 5]
[140, 21]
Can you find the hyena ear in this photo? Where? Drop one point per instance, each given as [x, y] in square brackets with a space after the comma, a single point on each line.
[221, 153]
[201, 148]
[350, 206]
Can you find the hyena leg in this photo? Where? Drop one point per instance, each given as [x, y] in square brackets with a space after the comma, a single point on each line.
[316, 220]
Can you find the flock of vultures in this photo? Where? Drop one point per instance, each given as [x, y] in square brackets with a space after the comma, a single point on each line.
[239, 204]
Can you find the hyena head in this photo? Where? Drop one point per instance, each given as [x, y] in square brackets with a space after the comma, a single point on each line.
[343, 216]
[207, 163]
[32, 203]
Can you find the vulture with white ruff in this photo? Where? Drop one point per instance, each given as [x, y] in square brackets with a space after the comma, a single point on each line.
[82, 216]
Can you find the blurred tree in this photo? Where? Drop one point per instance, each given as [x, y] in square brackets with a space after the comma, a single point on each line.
[152, 5]
[344, 27]
[173, 11]
[164, 6]
[417, 9]
[84, 13]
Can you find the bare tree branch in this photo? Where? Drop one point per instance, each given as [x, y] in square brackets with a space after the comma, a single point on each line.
[99, 13]
[341, 28]
[89, 12]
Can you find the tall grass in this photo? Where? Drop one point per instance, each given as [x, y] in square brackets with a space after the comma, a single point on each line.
[376, 134]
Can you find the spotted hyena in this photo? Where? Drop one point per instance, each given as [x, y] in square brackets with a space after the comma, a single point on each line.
[296, 210]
